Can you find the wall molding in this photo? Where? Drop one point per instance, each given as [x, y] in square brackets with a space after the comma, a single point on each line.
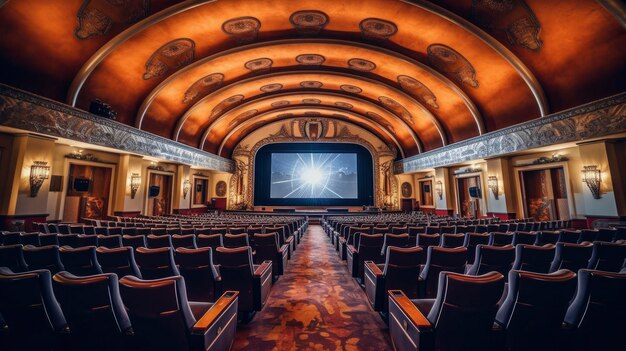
[596, 119]
[22, 110]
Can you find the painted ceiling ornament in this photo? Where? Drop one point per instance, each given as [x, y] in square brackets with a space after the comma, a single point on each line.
[280, 103]
[311, 101]
[310, 59]
[344, 105]
[362, 65]
[309, 22]
[351, 89]
[311, 84]
[202, 87]
[242, 117]
[418, 90]
[380, 120]
[377, 29]
[95, 17]
[513, 17]
[175, 54]
[396, 108]
[450, 62]
[225, 105]
[314, 129]
[260, 64]
[269, 88]
[243, 30]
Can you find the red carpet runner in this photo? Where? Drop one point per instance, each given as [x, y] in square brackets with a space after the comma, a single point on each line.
[316, 305]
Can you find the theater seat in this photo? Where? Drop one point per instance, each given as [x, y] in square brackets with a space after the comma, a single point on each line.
[93, 309]
[492, 258]
[12, 257]
[267, 249]
[533, 311]
[400, 271]
[452, 240]
[80, 261]
[32, 315]
[396, 240]
[471, 241]
[597, 312]
[500, 239]
[119, 260]
[441, 259]
[236, 240]
[201, 276]
[163, 318]
[213, 241]
[607, 256]
[460, 318]
[134, 241]
[571, 256]
[187, 241]
[527, 238]
[43, 257]
[110, 241]
[367, 249]
[156, 263]
[532, 258]
[239, 274]
[426, 240]
[158, 241]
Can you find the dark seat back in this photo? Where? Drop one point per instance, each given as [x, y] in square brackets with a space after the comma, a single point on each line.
[187, 241]
[568, 236]
[43, 257]
[441, 259]
[196, 266]
[156, 263]
[236, 240]
[110, 241]
[471, 241]
[500, 239]
[159, 241]
[12, 257]
[527, 238]
[213, 241]
[134, 241]
[120, 260]
[396, 240]
[266, 248]
[607, 257]
[492, 258]
[236, 270]
[532, 258]
[80, 261]
[571, 256]
[452, 240]
[402, 269]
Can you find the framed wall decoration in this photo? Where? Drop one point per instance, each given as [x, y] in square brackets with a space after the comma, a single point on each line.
[220, 188]
[407, 189]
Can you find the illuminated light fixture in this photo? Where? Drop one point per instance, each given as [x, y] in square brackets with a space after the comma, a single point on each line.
[186, 187]
[39, 172]
[439, 189]
[591, 177]
[492, 183]
[135, 182]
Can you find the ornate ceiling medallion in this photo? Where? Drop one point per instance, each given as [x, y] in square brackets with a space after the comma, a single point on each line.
[310, 59]
[450, 62]
[377, 29]
[311, 101]
[311, 84]
[314, 129]
[225, 105]
[260, 64]
[309, 22]
[351, 89]
[380, 120]
[362, 65]
[344, 105]
[280, 103]
[513, 17]
[203, 87]
[95, 17]
[242, 117]
[398, 109]
[418, 90]
[269, 88]
[173, 55]
[243, 30]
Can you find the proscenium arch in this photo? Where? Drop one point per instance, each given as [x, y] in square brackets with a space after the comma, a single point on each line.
[256, 104]
[312, 112]
[252, 84]
[400, 63]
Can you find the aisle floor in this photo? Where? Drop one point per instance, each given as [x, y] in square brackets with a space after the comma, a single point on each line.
[316, 305]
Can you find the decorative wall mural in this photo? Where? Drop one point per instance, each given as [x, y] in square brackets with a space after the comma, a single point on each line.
[260, 64]
[173, 55]
[203, 87]
[269, 88]
[377, 29]
[280, 103]
[242, 117]
[311, 84]
[450, 62]
[359, 64]
[225, 105]
[311, 101]
[513, 17]
[351, 89]
[243, 30]
[95, 17]
[418, 90]
[309, 22]
[220, 188]
[344, 105]
[380, 120]
[407, 189]
[310, 59]
[396, 108]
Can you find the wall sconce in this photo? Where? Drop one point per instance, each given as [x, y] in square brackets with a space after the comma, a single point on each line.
[492, 183]
[439, 189]
[39, 172]
[591, 176]
[186, 187]
[135, 182]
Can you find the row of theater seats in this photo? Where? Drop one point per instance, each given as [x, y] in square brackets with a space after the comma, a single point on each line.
[459, 281]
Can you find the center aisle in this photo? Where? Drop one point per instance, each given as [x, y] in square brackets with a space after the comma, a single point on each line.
[316, 305]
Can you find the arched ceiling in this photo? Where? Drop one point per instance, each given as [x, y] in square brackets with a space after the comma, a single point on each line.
[418, 74]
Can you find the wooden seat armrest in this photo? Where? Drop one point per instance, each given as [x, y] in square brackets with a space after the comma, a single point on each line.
[352, 249]
[263, 268]
[408, 308]
[284, 248]
[211, 316]
[373, 268]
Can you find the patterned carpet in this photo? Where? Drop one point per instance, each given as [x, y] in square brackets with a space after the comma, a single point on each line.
[316, 305]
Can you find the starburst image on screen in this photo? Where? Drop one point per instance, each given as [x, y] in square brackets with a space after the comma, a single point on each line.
[314, 175]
